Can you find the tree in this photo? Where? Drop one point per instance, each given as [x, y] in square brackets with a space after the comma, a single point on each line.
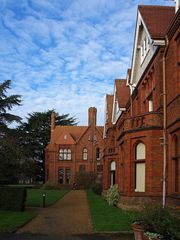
[10, 157]
[35, 135]
[10, 153]
[6, 103]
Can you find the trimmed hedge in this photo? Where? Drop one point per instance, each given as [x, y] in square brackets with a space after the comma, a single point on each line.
[12, 198]
[85, 180]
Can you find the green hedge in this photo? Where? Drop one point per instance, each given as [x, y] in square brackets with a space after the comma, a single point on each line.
[12, 198]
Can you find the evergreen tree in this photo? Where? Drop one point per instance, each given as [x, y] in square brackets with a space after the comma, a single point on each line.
[10, 153]
[6, 104]
[35, 135]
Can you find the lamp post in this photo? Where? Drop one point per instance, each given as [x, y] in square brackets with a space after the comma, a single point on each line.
[44, 199]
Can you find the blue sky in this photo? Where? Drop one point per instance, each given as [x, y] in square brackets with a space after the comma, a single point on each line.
[65, 54]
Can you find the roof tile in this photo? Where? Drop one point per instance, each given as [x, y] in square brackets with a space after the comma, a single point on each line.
[157, 19]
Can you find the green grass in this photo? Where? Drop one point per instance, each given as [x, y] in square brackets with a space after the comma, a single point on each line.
[35, 199]
[108, 218]
[10, 221]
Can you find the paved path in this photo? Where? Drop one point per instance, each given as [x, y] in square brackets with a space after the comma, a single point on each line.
[29, 236]
[70, 215]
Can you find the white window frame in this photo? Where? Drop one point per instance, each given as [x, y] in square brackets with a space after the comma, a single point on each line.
[85, 153]
[140, 167]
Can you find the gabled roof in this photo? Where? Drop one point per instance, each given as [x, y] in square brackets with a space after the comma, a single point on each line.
[65, 138]
[157, 19]
[122, 91]
[73, 134]
[100, 129]
[74, 131]
[109, 108]
[109, 102]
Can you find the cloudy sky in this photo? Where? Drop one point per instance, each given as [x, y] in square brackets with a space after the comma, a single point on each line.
[65, 54]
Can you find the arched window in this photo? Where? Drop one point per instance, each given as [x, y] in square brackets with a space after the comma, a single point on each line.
[140, 151]
[85, 156]
[140, 156]
[61, 155]
[112, 173]
[175, 164]
[98, 153]
[69, 154]
[64, 154]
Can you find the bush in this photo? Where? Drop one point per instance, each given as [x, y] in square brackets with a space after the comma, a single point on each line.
[85, 180]
[112, 195]
[160, 220]
[97, 188]
[12, 198]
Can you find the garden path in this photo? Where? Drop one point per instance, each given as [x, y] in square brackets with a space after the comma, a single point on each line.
[70, 215]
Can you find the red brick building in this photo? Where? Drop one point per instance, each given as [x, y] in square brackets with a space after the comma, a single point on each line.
[73, 149]
[144, 131]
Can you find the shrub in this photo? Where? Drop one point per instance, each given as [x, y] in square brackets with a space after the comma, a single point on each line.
[85, 180]
[97, 188]
[163, 221]
[12, 198]
[112, 195]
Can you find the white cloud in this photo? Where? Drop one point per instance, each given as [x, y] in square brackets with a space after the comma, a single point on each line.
[66, 54]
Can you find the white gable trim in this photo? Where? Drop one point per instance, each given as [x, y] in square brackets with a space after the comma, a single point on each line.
[105, 118]
[148, 48]
[117, 110]
[138, 24]
[114, 105]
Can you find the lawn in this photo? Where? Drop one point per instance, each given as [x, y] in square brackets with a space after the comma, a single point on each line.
[10, 221]
[35, 198]
[108, 218]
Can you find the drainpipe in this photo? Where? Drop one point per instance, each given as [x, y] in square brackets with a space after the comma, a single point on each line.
[54, 156]
[164, 126]
[164, 134]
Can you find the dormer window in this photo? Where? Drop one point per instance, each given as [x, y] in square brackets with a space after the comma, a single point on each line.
[144, 48]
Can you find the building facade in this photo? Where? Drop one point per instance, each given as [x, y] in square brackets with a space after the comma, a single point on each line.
[144, 162]
[73, 149]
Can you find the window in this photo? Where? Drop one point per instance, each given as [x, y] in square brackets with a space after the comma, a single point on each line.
[68, 175]
[150, 103]
[97, 153]
[64, 154]
[85, 157]
[140, 155]
[61, 155]
[112, 173]
[144, 48]
[61, 175]
[69, 154]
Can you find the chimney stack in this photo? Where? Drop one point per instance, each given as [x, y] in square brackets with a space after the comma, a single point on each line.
[92, 112]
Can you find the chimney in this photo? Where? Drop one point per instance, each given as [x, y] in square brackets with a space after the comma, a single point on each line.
[52, 124]
[177, 5]
[92, 111]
